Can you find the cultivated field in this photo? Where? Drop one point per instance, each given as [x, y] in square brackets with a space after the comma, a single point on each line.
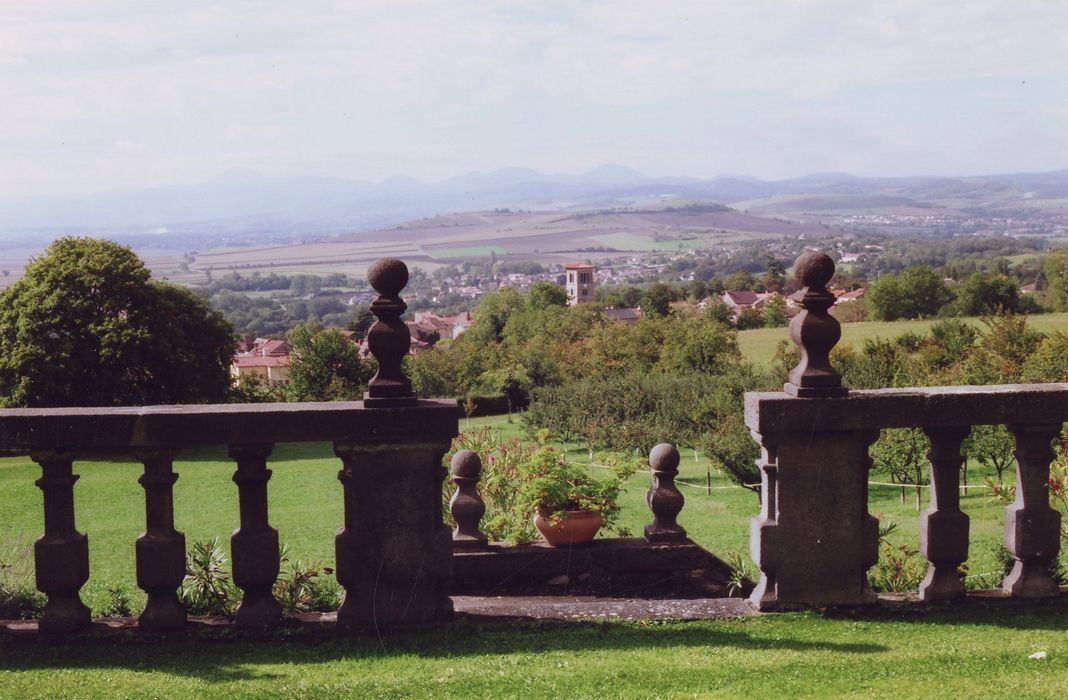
[545, 236]
[759, 344]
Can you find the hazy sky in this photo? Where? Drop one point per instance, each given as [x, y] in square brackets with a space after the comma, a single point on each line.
[99, 95]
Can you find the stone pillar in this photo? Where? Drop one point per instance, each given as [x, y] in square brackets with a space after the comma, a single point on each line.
[394, 552]
[664, 498]
[160, 549]
[1032, 527]
[61, 555]
[466, 504]
[943, 526]
[254, 545]
[814, 539]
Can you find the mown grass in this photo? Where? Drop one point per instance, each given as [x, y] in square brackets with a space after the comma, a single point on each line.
[758, 345]
[972, 652]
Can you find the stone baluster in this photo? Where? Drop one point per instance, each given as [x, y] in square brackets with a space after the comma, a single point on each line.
[254, 545]
[943, 526]
[61, 555]
[466, 504]
[394, 552]
[160, 549]
[664, 498]
[389, 339]
[1032, 527]
[814, 330]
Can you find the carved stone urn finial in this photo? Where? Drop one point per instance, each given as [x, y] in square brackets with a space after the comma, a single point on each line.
[814, 330]
[389, 338]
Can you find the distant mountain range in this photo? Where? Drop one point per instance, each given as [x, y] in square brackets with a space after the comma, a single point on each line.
[242, 206]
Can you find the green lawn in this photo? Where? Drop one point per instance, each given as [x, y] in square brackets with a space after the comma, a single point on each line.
[758, 345]
[974, 652]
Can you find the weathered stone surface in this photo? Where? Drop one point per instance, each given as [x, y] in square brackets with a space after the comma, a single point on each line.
[389, 338]
[61, 555]
[943, 526]
[466, 505]
[814, 330]
[394, 552]
[664, 498]
[609, 566]
[160, 550]
[1032, 527]
[774, 412]
[814, 539]
[109, 429]
[254, 545]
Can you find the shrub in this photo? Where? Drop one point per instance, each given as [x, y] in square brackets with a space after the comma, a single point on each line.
[207, 588]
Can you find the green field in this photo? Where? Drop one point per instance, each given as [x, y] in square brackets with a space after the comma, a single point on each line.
[758, 345]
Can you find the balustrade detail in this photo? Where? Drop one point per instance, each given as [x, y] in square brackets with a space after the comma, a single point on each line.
[254, 545]
[664, 498]
[814, 538]
[61, 555]
[1032, 527]
[394, 553]
[466, 505]
[160, 549]
[943, 526]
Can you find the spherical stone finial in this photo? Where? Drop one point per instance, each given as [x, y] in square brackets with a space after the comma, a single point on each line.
[814, 269]
[388, 276]
[466, 464]
[664, 458]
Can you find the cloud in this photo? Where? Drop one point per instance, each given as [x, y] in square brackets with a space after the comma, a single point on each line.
[369, 89]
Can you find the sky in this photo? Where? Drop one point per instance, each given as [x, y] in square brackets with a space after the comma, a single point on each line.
[109, 95]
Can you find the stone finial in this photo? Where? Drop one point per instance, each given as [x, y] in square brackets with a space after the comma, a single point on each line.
[389, 338]
[466, 504]
[814, 330]
[664, 497]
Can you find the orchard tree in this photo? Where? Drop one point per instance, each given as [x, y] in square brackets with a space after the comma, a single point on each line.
[86, 326]
[325, 365]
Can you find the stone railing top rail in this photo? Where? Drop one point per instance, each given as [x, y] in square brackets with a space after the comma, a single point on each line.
[940, 406]
[86, 429]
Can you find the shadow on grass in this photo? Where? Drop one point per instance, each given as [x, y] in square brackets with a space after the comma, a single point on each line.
[1011, 614]
[227, 655]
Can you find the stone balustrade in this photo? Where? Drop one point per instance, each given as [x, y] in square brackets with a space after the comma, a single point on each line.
[814, 539]
[393, 550]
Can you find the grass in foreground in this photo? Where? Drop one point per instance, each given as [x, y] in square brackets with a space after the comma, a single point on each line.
[974, 652]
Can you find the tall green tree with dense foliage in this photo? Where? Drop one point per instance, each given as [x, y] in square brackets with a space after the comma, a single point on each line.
[986, 293]
[917, 292]
[86, 326]
[325, 365]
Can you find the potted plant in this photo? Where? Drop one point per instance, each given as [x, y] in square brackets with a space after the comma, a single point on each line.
[569, 504]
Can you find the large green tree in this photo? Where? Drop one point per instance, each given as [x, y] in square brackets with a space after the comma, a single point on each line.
[325, 365]
[86, 326]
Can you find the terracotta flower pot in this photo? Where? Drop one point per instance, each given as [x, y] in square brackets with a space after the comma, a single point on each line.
[576, 527]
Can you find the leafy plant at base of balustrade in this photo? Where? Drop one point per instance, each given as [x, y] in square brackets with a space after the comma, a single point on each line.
[742, 574]
[900, 568]
[19, 598]
[306, 587]
[207, 588]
